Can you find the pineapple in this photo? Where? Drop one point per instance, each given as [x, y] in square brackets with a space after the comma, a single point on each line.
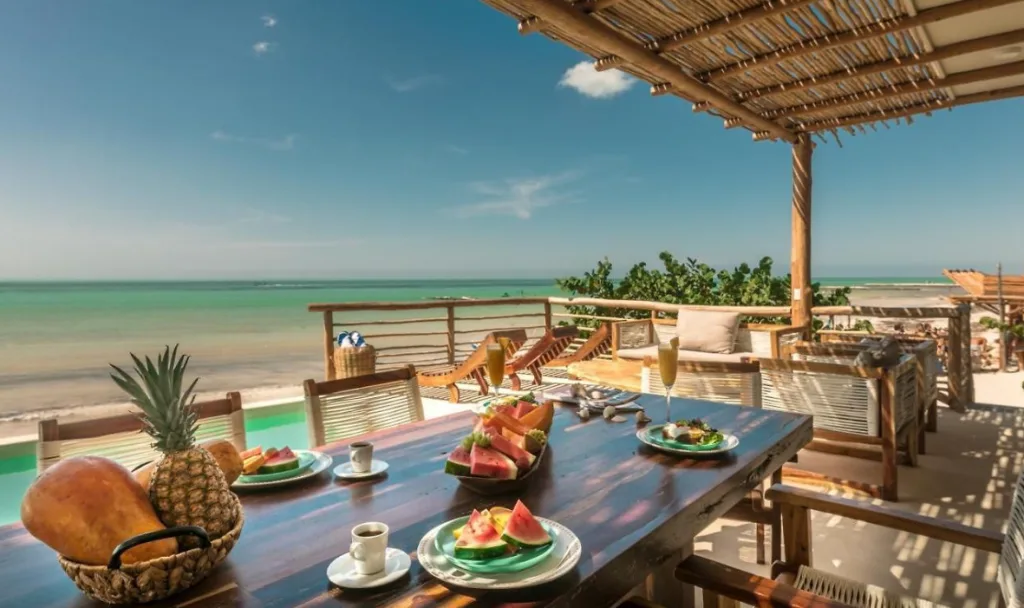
[187, 487]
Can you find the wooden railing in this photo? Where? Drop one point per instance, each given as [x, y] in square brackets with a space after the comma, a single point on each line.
[441, 332]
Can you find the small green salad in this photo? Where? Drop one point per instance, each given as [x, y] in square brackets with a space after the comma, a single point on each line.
[692, 432]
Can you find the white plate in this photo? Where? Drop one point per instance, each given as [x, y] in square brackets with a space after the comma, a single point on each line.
[342, 571]
[322, 462]
[729, 442]
[344, 471]
[562, 560]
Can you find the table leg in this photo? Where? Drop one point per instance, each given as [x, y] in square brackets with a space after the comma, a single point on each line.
[664, 588]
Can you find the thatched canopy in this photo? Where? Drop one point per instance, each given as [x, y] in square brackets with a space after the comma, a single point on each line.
[784, 68]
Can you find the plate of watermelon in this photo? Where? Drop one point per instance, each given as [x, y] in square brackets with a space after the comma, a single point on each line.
[496, 540]
[503, 450]
[499, 548]
[274, 466]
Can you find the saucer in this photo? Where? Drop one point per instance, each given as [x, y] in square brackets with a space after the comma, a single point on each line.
[344, 471]
[342, 571]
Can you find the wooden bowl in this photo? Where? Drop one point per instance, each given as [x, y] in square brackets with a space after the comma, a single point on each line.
[490, 487]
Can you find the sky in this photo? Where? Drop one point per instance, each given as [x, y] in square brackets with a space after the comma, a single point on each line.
[344, 139]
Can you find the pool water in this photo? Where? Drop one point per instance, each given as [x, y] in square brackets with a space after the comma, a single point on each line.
[276, 425]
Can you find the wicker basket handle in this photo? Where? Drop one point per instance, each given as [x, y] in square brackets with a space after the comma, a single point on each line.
[148, 537]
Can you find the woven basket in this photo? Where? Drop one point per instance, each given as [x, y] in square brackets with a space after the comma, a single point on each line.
[354, 361]
[155, 579]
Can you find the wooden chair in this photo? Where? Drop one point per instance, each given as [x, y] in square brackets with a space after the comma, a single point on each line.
[473, 365]
[338, 409]
[852, 407]
[795, 583]
[552, 344]
[120, 438]
[599, 343]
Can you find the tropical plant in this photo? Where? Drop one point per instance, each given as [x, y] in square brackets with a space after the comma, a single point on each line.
[690, 282]
[187, 487]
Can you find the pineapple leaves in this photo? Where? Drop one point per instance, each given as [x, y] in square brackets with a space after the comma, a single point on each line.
[168, 414]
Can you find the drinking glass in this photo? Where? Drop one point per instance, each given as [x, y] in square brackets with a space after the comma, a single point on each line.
[496, 363]
[668, 366]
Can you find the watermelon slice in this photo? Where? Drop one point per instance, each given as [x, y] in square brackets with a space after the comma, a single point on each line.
[278, 461]
[524, 460]
[479, 539]
[523, 408]
[509, 409]
[458, 462]
[523, 529]
[485, 462]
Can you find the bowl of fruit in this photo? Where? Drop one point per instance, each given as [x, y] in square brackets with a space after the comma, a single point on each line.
[504, 450]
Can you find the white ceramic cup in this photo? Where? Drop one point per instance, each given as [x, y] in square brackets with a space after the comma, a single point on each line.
[361, 455]
[369, 547]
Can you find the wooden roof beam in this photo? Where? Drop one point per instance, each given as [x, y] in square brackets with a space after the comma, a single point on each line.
[534, 24]
[906, 88]
[945, 52]
[712, 28]
[874, 30]
[924, 108]
[598, 35]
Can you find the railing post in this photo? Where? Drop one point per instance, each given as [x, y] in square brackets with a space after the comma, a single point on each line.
[954, 361]
[547, 316]
[451, 334]
[329, 370]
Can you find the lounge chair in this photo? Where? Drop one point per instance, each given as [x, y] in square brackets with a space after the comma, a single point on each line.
[795, 583]
[339, 409]
[599, 343]
[473, 365]
[120, 437]
[553, 343]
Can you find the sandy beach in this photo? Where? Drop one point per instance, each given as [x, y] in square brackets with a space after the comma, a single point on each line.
[270, 366]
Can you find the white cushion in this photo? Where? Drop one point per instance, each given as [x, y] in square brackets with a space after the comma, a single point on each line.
[707, 331]
[637, 354]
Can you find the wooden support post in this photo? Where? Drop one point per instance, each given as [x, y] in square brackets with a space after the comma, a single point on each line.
[1004, 350]
[796, 535]
[329, 371]
[965, 331]
[800, 252]
[451, 334]
[954, 362]
[547, 317]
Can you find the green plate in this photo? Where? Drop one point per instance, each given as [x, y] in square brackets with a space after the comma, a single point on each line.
[654, 436]
[306, 460]
[444, 542]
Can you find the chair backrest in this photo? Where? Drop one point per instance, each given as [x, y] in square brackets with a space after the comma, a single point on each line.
[120, 438]
[1011, 559]
[552, 344]
[338, 409]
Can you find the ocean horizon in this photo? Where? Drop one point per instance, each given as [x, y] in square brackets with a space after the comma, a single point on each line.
[57, 337]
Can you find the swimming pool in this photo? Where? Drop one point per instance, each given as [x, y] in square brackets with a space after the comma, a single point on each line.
[279, 424]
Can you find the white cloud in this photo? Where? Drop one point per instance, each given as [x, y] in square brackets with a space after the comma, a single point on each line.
[269, 20]
[519, 197]
[586, 80]
[411, 84]
[263, 47]
[281, 145]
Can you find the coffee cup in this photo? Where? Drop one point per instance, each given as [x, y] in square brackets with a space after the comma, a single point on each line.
[361, 455]
[369, 547]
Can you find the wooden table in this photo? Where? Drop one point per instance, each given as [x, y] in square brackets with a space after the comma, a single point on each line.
[633, 509]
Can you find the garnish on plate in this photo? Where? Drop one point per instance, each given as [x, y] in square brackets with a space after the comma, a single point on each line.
[259, 462]
[692, 432]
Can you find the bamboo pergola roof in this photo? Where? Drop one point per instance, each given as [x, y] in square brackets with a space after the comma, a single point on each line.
[787, 68]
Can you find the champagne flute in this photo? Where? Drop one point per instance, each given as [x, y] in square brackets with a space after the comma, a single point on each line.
[668, 366]
[496, 363]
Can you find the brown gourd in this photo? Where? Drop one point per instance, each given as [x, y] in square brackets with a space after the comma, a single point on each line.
[223, 451]
[84, 507]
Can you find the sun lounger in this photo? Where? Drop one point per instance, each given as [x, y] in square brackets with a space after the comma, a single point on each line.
[473, 365]
[553, 343]
[599, 343]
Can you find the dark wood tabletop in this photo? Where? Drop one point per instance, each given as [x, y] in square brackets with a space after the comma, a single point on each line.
[631, 507]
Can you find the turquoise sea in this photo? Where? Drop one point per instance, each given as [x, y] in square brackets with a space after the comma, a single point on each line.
[57, 338]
